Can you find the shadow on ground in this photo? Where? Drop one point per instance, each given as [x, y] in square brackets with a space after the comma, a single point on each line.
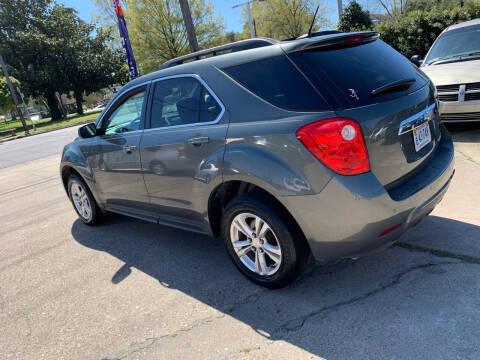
[393, 304]
[465, 132]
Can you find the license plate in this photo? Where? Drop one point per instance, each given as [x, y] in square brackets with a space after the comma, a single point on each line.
[421, 136]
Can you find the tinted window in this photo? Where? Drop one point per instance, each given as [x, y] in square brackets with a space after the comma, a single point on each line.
[126, 117]
[458, 42]
[182, 101]
[351, 73]
[277, 81]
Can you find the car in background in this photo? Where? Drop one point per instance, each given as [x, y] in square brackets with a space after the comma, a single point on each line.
[99, 106]
[453, 64]
[327, 146]
[35, 116]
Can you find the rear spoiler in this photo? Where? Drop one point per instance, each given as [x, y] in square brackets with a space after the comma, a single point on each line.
[336, 41]
[313, 34]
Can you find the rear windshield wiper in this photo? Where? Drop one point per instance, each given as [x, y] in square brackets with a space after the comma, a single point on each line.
[395, 86]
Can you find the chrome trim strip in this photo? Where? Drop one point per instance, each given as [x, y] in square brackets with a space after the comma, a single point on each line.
[461, 93]
[179, 126]
[415, 120]
[195, 76]
[98, 123]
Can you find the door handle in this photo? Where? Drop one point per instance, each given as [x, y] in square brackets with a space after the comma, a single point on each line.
[129, 148]
[198, 140]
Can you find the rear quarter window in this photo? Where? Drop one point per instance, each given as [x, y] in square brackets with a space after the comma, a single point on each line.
[277, 81]
[350, 74]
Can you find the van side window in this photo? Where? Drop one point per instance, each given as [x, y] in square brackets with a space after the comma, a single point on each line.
[182, 101]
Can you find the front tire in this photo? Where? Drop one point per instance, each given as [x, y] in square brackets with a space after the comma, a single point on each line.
[262, 242]
[83, 201]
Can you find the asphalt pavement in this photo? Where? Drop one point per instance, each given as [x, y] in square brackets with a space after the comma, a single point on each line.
[134, 290]
[35, 147]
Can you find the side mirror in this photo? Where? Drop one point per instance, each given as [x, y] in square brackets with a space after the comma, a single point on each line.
[417, 60]
[87, 131]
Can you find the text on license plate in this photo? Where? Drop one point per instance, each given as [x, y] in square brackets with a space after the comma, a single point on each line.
[421, 136]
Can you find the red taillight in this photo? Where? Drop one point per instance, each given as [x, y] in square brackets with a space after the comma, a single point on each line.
[338, 143]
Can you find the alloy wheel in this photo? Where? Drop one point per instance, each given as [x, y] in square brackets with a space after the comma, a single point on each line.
[255, 244]
[81, 201]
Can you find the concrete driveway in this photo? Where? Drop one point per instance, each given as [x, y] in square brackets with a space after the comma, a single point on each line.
[133, 290]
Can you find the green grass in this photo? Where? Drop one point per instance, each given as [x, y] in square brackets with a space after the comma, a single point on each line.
[47, 124]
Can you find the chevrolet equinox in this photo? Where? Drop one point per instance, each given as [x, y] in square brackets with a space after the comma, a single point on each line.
[327, 147]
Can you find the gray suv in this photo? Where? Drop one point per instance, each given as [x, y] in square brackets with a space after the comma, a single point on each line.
[327, 146]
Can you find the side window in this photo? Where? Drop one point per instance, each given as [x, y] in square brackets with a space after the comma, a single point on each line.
[126, 117]
[182, 101]
[277, 81]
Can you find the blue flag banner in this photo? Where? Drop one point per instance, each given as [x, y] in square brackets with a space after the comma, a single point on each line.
[127, 48]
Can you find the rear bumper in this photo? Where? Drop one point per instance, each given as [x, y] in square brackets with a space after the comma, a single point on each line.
[348, 217]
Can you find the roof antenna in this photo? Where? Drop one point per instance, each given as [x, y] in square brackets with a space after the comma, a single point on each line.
[309, 34]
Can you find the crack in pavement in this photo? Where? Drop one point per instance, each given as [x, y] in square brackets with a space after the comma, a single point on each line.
[150, 342]
[288, 327]
[39, 182]
[439, 253]
[298, 323]
[469, 158]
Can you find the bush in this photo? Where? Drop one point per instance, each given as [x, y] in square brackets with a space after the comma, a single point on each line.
[415, 32]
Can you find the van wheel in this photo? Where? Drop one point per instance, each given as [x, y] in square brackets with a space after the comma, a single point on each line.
[83, 201]
[262, 243]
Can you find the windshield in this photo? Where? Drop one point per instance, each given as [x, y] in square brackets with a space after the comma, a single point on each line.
[456, 43]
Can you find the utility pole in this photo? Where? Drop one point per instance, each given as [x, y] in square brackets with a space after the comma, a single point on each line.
[14, 96]
[249, 12]
[187, 19]
[250, 21]
[340, 8]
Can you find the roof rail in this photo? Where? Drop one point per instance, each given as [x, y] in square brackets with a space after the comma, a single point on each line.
[220, 50]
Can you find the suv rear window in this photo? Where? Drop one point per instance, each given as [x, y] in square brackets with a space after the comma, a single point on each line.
[350, 74]
[277, 81]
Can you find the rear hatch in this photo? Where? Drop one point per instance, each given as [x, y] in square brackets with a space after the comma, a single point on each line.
[370, 82]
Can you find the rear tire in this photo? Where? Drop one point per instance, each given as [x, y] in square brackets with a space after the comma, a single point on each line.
[83, 201]
[262, 242]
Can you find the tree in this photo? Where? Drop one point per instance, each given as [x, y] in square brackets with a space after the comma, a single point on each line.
[427, 5]
[282, 19]
[91, 62]
[50, 49]
[30, 45]
[157, 30]
[97, 66]
[354, 18]
[6, 101]
[394, 7]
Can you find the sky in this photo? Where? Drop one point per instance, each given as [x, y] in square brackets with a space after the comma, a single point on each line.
[232, 18]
